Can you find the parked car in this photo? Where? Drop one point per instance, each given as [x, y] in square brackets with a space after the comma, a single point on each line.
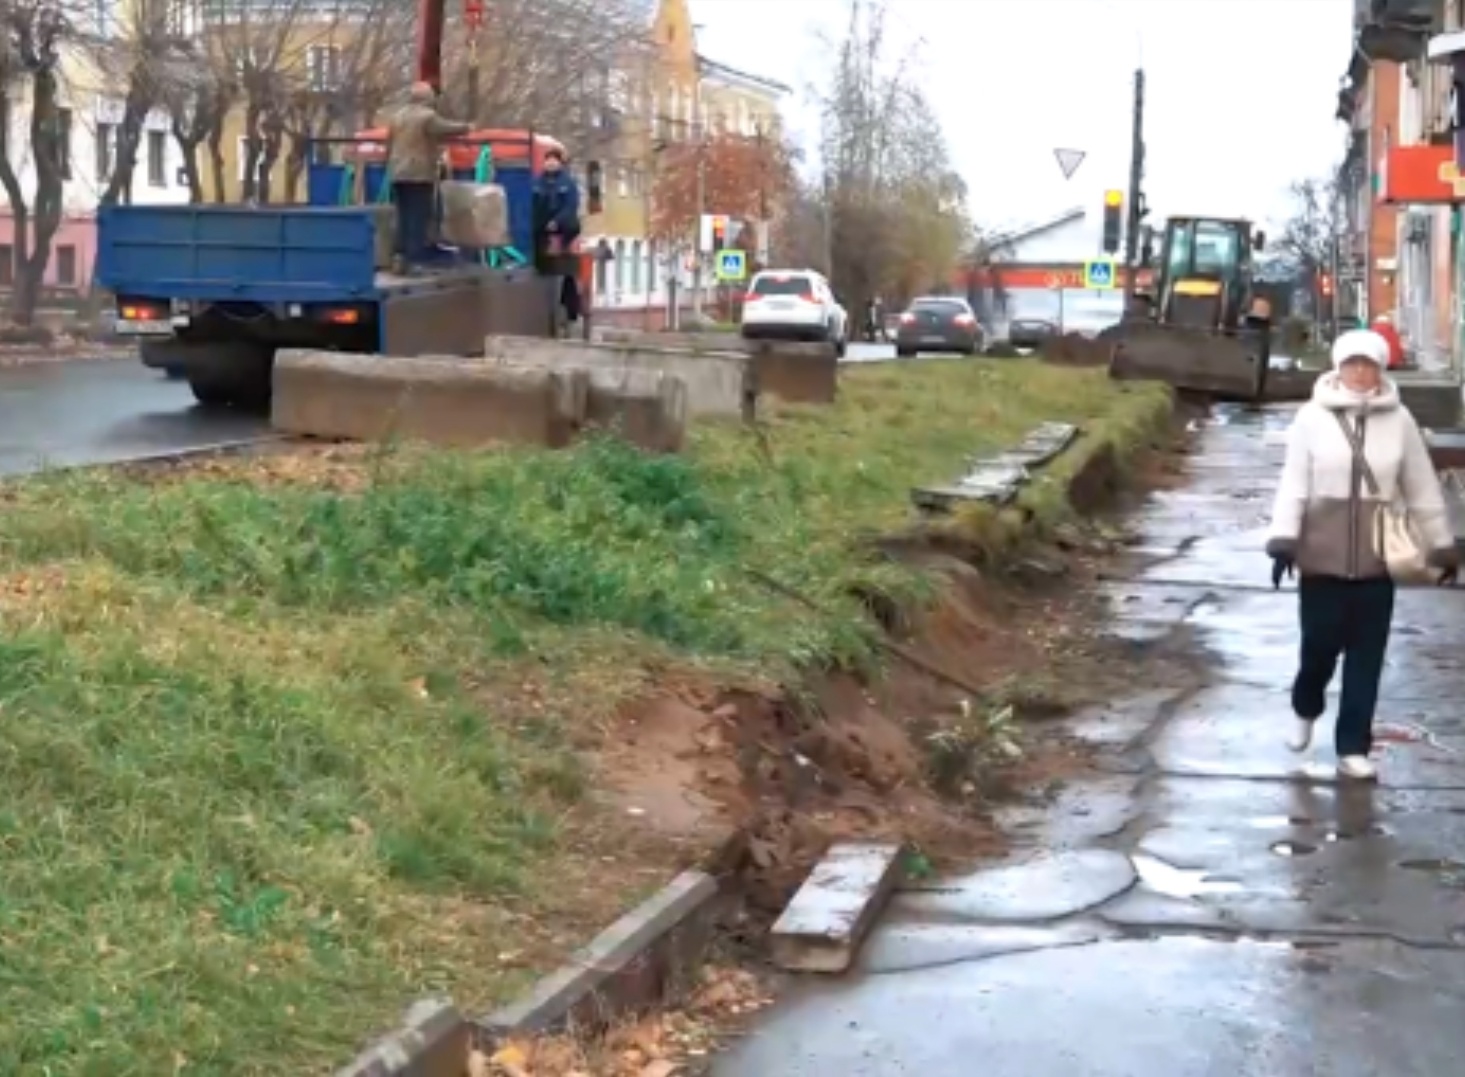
[793, 304]
[1030, 332]
[938, 324]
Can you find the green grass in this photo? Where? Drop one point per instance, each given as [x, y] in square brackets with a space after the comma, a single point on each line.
[277, 758]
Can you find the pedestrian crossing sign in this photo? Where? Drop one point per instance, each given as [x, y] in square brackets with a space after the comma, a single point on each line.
[1099, 274]
[732, 265]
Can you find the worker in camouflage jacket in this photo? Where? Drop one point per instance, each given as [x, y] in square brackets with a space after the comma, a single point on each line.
[414, 152]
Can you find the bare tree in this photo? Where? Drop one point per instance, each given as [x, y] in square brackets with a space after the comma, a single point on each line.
[35, 37]
[154, 46]
[1310, 233]
[558, 66]
[895, 211]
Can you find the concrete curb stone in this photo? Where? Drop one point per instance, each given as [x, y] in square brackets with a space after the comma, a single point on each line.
[650, 955]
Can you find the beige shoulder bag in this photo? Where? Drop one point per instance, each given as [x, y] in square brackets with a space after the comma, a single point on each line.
[1395, 538]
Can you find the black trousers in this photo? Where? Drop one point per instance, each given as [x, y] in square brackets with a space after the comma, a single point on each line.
[415, 205]
[1348, 619]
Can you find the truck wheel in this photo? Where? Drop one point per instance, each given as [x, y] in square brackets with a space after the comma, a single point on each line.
[210, 390]
[241, 379]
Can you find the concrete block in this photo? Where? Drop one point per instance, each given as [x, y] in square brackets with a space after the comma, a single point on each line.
[828, 919]
[646, 407]
[447, 401]
[434, 1040]
[1434, 399]
[802, 373]
[647, 957]
[717, 383]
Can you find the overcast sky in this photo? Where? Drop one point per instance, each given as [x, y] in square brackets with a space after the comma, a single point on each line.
[1240, 93]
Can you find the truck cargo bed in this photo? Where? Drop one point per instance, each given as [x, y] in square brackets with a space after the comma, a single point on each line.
[260, 254]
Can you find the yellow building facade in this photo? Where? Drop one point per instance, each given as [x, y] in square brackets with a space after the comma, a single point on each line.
[667, 93]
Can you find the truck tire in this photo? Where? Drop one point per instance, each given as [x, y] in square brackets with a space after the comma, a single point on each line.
[241, 378]
[210, 390]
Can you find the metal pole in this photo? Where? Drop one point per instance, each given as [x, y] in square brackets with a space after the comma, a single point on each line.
[472, 110]
[699, 135]
[1136, 177]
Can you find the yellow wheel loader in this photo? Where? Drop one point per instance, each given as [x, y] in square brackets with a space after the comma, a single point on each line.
[1198, 326]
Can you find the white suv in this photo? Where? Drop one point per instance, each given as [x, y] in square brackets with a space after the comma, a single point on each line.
[793, 304]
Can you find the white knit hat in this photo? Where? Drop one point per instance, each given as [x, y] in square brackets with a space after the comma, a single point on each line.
[1361, 344]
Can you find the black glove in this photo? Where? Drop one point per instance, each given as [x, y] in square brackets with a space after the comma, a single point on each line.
[1283, 553]
[1447, 562]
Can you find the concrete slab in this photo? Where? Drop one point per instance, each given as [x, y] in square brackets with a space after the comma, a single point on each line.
[822, 928]
[718, 383]
[438, 399]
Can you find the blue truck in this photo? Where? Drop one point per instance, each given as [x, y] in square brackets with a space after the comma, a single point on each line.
[211, 292]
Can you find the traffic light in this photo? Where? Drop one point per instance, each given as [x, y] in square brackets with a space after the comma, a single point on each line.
[1113, 220]
[719, 233]
[1325, 284]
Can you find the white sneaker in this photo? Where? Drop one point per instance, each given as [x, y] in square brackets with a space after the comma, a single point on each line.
[1301, 738]
[1357, 766]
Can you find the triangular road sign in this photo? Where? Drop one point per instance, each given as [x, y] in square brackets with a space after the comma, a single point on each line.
[1069, 160]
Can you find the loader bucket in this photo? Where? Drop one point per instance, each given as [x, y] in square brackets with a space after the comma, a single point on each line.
[1225, 366]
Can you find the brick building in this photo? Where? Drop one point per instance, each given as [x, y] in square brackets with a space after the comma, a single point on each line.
[1400, 252]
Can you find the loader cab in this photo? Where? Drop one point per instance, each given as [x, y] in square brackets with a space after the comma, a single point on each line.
[1205, 272]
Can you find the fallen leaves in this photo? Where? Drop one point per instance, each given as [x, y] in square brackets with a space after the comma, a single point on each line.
[660, 1045]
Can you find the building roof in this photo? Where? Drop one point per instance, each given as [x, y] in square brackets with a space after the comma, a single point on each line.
[736, 77]
[1028, 231]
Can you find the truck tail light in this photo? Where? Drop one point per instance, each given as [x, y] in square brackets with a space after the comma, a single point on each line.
[143, 312]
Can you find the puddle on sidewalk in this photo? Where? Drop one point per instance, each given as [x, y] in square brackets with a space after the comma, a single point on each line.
[1450, 873]
[1292, 848]
[1183, 883]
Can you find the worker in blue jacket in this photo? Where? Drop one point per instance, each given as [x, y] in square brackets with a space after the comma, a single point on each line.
[557, 226]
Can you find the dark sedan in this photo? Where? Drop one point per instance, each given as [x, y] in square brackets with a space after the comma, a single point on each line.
[938, 324]
[1030, 332]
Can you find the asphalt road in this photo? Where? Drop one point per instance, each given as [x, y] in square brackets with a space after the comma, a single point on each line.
[104, 411]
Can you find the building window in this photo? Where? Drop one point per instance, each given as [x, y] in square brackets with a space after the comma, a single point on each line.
[66, 264]
[157, 159]
[323, 68]
[623, 181]
[63, 142]
[620, 269]
[7, 265]
[636, 267]
[651, 267]
[106, 150]
[600, 274]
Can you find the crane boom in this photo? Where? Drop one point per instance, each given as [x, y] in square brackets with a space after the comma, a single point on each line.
[430, 17]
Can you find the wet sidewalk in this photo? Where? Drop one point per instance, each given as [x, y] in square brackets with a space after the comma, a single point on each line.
[1208, 903]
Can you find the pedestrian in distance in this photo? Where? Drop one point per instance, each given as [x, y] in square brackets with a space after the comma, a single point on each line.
[414, 152]
[1354, 455]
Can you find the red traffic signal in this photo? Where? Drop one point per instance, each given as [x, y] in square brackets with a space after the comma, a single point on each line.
[1325, 284]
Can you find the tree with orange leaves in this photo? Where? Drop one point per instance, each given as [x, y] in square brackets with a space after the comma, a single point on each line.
[743, 178]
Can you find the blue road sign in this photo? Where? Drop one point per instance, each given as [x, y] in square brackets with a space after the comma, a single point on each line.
[732, 265]
[1100, 274]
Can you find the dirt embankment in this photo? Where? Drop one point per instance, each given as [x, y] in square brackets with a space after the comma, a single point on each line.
[951, 726]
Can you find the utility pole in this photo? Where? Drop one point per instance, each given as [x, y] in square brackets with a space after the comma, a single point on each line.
[1136, 196]
[700, 136]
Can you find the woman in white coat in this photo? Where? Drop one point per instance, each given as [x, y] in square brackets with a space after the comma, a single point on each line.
[1323, 527]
